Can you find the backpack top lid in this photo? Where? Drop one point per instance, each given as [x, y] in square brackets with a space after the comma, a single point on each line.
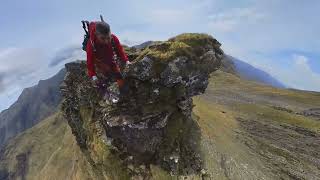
[85, 24]
[103, 28]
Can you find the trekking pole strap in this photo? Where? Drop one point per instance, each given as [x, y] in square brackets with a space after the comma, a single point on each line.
[84, 23]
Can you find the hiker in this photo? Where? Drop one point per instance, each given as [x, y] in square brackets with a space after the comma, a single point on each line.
[102, 48]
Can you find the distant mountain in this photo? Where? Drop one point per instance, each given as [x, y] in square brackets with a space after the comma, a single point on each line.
[33, 105]
[66, 55]
[249, 72]
[144, 45]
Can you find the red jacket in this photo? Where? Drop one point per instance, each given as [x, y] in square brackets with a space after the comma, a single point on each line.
[103, 52]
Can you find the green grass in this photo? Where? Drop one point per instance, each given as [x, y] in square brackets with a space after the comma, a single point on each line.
[219, 141]
[166, 51]
[53, 152]
[226, 82]
[262, 112]
[190, 45]
[217, 111]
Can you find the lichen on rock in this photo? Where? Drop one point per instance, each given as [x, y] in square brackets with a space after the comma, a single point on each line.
[152, 124]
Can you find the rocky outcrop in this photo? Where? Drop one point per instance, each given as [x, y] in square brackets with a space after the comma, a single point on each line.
[152, 123]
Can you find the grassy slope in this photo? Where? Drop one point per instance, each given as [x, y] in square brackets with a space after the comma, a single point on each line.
[245, 137]
[51, 153]
[258, 100]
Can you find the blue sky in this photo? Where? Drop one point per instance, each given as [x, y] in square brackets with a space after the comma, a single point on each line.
[280, 37]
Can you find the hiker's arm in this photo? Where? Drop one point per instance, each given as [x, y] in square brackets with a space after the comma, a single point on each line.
[90, 58]
[89, 50]
[121, 52]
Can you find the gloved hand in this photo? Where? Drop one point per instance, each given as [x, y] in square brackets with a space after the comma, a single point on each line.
[128, 63]
[95, 81]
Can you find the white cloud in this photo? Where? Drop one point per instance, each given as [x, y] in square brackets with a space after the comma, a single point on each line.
[68, 54]
[232, 19]
[301, 61]
[169, 16]
[19, 65]
[17, 72]
[2, 87]
[269, 26]
[297, 74]
[132, 37]
[21, 68]
[302, 76]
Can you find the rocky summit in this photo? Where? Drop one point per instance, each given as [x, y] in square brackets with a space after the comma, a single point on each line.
[151, 125]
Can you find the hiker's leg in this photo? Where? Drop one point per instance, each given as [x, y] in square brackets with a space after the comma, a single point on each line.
[123, 86]
[100, 87]
[104, 70]
[102, 81]
[118, 76]
[120, 83]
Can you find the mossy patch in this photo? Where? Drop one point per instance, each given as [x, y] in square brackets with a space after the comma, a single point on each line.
[166, 51]
[99, 153]
[198, 41]
[190, 45]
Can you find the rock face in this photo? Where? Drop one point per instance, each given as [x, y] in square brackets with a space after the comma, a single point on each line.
[152, 123]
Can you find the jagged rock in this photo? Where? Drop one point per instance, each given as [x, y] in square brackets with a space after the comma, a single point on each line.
[313, 112]
[152, 124]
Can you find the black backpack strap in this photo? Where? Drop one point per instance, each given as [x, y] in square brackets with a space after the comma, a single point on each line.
[85, 26]
[116, 56]
[114, 47]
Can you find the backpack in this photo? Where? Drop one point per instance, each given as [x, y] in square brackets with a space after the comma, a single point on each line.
[85, 26]
[86, 39]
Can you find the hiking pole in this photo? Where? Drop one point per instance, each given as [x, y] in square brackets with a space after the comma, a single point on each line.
[84, 27]
[101, 18]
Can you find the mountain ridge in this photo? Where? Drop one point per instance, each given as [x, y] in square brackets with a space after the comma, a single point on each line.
[249, 72]
[34, 104]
